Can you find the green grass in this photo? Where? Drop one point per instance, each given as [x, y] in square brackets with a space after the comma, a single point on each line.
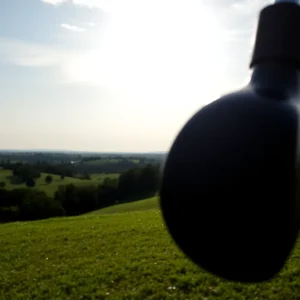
[51, 188]
[100, 176]
[122, 256]
[151, 203]
[109, 161]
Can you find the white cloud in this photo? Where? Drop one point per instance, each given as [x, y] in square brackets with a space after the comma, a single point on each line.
[158, 45]
[73, 28]
[54, 2]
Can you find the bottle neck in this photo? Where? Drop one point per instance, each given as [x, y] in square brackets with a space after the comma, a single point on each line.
[275, 80]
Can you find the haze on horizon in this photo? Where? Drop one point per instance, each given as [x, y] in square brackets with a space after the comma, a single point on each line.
[116, 75]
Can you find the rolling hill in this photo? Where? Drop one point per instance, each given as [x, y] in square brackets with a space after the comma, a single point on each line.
[116, 256]
[151, 203]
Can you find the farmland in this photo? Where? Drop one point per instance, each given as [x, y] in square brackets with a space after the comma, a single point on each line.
[109, 161]
[116, 256]
[49, 189]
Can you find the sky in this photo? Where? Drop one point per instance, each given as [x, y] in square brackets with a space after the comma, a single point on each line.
[116, 75]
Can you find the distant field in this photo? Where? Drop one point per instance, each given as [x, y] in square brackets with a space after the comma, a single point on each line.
[108, 161]
[122, 256]
[151, 203]
[100, 176]
[51, 188]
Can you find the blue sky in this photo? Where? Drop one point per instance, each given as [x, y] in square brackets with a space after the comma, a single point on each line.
[116, 75]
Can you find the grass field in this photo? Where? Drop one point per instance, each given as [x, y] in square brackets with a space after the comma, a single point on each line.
[100, 177]
[108, 161]
[118, 256]
[142, 205]
[51, 188]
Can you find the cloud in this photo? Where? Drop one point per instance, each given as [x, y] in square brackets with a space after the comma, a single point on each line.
[73, 28]
[54, 2]
[241, 6]
[155, 45]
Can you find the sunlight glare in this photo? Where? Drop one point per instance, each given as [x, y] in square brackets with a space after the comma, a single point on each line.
[156, 48]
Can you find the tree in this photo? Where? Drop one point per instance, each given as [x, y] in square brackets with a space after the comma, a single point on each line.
[48, 179]
[24, 172]
[39, 206]
[67, 196]
[30, 182]
[107, 192]
[17, 196]
[16, 172]
[87, 198]
[138, 183]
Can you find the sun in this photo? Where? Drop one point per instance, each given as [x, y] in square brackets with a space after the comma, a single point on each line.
[166, 46]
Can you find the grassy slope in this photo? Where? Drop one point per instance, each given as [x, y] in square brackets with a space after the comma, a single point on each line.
[50, 189]
[151, 203]
[125, 256]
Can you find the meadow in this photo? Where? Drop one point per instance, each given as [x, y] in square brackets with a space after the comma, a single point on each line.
[142, 205]
[109, 161]
[117, 255]
[50, 189]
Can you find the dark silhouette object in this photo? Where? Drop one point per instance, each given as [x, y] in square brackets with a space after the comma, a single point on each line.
[62, 176]
[30, 182]
[48, 179]
[236, 214]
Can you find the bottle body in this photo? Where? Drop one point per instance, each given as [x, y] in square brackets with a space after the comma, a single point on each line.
[228, 189]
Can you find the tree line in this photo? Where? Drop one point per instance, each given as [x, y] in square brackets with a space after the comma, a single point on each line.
[22, 171]
[71, 200]
[81, 170]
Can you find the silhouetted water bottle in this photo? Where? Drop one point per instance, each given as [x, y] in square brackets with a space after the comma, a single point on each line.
[228, 191]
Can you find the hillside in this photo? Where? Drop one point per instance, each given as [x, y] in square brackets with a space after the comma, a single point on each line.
[151, 203]
[49, 189]
[122, 256]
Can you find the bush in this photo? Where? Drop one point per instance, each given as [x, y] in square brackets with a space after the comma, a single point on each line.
[4, 198]
[138, 183]
[40, 206]
[30, 182]
[67, 196]
[17, 196]
[23, 173]
[87, 198]
[133, 185]
[48, 179]
[26, 204]
[8, 214]
[77, 200]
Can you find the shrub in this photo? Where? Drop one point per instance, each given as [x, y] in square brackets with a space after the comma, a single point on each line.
[30, 182]
[40, 206]
[48, 179]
